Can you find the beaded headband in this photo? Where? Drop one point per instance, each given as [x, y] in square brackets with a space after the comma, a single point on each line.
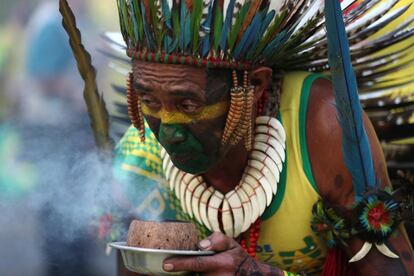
[233, 34]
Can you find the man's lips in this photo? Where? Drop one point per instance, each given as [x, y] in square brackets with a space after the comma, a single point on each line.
[181, 158]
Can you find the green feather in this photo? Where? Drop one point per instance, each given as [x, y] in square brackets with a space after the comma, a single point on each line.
[156, 21]
[270, 33]
[121, 20]
[127, 20]
[290, 47]
[238, 24]
[196, 16]
[138, 19]
[175, 15]
[218, 26]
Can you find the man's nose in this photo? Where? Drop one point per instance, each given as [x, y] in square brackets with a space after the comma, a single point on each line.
[172, 134]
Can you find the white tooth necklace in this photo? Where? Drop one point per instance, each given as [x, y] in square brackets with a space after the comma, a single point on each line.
[243, 205]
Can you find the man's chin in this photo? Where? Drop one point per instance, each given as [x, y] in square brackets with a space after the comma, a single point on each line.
[191, 165]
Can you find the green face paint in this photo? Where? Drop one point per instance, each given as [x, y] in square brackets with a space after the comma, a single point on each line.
[185, 150]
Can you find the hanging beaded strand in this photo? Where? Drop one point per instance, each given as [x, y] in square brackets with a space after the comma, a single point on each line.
[134, 107]
[249, 244]
[249, 90]
[235, 111]
[261, 106]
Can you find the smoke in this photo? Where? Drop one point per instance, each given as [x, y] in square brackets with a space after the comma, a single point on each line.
[53, 223]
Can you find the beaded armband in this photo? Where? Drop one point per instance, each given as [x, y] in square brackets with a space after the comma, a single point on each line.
[373, 218]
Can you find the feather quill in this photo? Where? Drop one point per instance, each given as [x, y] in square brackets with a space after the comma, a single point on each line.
[355, 145]
[95, 103]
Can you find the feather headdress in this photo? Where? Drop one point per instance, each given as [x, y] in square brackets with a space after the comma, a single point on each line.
[285, 34]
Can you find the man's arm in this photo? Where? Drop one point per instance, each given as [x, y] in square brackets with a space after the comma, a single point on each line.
[324, 141]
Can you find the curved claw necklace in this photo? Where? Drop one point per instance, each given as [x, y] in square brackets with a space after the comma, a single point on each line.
[242, 206]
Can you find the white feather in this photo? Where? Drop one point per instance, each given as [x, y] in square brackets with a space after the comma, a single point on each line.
[116, 42]
[276, 5]
[383, 6]
[225, 7]
[119, 69]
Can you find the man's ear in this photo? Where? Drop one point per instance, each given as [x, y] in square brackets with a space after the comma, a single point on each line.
[260, 78]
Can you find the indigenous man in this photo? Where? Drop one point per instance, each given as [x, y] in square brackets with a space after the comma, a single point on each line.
[233, 144]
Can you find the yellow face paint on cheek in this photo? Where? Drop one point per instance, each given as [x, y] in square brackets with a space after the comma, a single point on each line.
[209, 112]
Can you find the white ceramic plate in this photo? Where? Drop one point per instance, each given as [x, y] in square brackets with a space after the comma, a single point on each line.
[149, 261]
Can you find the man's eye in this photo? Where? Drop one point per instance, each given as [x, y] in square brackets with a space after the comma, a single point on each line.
[151, 103]
[190, 106]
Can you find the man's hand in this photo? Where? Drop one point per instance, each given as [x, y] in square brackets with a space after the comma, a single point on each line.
[230, 259]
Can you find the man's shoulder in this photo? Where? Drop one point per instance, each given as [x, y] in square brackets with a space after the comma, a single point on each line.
[324, 143]
[296, 87]
[137, 158]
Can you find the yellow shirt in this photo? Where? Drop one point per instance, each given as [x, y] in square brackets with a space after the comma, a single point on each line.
[286, 238]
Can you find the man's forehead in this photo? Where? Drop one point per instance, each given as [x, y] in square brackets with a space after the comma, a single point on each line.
[169, 75]
[160, 69]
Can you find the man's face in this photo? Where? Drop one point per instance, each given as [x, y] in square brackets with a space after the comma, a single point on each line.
[186, 110]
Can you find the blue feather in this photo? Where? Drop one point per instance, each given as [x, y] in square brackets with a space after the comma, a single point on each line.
[276, 43]
[260, 34]
[269, 17]
[355, 144]
[185, 20]
[173, 45]
[166, 13]
[206, 27]
[134, 20]
[248, 37]
[227, 24]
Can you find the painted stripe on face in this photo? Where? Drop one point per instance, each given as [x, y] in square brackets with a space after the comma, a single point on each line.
[209, 112]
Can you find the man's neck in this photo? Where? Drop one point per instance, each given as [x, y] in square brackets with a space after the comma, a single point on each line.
[226, 175]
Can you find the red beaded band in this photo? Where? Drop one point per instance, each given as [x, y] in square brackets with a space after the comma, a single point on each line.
[187, 60]
[254, 234]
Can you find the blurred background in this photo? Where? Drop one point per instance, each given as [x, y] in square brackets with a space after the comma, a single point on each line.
[53, 184]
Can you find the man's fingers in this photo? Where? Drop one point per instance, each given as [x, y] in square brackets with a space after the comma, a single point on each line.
[194, 264]
[217, 242]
